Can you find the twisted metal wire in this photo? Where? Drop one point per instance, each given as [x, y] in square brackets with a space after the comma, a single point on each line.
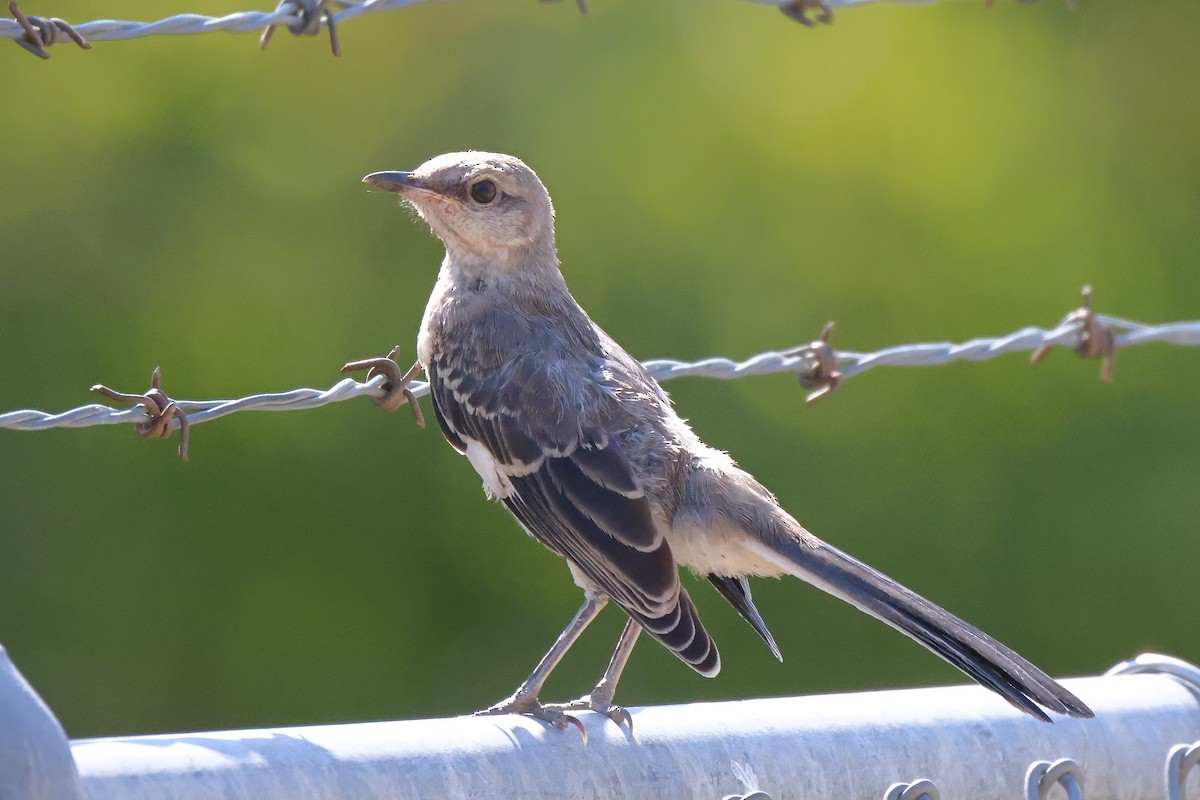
[291, 14]
[802, 360]
[286, 14]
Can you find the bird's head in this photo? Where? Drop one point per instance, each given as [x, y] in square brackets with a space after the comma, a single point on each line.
[487, 208]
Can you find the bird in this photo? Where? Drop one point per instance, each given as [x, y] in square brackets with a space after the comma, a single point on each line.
[584, 448]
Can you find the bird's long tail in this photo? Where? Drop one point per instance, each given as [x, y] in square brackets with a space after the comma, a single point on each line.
[980, 656]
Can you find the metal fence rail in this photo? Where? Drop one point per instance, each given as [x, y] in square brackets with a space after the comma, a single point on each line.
[954, 742]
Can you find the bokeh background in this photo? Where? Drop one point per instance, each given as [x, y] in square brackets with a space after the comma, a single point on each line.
[726, 182]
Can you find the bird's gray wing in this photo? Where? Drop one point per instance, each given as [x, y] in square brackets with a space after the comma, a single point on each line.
[547, 425]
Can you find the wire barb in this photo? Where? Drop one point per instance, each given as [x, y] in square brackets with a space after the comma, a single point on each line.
[798, 10]
[41, 32]
[310, 16]
[580, 4]
[160, 408]
[1096, 339]
[822, 376]
[396, 385]
[990, 3]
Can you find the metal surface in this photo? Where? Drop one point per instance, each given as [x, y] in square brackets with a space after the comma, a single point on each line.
[968, 742]
[35, 756]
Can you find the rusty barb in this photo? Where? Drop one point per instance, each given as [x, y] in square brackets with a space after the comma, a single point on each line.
[396, 387]
[311, 14]
[797, 10]
[41, 32]
[580, 4]
[160, 408]
[1096, 340]
[823, 376]
[990, 3]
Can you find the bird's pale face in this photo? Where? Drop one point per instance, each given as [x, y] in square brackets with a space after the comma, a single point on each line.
[486, 205]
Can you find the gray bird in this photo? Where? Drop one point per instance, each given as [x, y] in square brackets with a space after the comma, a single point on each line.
[572, 435]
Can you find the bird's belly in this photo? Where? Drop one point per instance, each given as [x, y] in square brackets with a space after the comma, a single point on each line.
[718, 549]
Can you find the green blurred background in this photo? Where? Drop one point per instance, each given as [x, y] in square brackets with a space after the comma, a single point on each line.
[726, 182]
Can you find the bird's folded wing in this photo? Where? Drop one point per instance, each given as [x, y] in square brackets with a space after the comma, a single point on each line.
[567, 482]
[544, 430]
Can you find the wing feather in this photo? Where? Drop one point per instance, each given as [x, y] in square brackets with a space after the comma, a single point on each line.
[572, 485]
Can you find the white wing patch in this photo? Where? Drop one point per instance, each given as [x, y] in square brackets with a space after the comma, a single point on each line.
[495, 482]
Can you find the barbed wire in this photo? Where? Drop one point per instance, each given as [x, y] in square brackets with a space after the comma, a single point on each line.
[303, 18]
[817, 365]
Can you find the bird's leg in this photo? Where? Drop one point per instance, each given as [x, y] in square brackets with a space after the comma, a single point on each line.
[600, 699]
[525, 699]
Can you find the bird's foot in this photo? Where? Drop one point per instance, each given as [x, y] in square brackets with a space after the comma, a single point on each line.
[601, 705]
[530, 707]
[798, 11]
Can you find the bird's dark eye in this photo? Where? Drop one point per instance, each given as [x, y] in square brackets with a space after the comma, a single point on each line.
[483, 192]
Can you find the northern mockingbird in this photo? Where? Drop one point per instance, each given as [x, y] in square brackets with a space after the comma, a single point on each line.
[572, 435]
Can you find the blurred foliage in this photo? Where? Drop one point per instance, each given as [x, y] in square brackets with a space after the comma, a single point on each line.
[726, 182]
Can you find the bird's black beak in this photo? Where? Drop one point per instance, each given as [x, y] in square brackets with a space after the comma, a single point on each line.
[398, 182]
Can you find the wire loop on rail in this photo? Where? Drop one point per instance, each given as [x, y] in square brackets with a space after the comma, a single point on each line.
[923, 789]
[745, 775]
[1180, 761]
[1043, 776]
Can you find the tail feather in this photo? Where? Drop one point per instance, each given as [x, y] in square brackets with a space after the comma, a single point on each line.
[681, 632]
[737, 592]
[984, 659]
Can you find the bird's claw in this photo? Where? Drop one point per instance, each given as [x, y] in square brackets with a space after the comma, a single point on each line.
[553, 714]
[600, 705]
